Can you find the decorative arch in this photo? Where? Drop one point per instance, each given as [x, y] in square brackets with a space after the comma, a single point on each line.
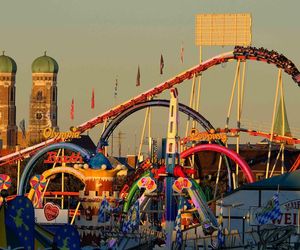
[24, 180]
[229, 153]
[152, 103]
[66, 170]
[59, 170]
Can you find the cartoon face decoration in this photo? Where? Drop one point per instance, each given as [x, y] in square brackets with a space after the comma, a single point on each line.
[148, 183]
[181, 183]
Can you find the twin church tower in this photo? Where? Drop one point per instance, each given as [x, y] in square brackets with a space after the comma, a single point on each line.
[43, 101]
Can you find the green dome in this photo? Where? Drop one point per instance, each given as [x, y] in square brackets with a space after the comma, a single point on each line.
[7, 64]
[44, 64]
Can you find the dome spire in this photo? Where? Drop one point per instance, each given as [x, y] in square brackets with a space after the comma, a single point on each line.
[44, 64]
[7, 64]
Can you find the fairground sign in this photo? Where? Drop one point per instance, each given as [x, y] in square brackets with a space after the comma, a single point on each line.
[53, 157]
[289, 214]
[51, 133]
[195, 136]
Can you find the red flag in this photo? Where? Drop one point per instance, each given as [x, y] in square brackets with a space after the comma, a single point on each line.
[181, 53]
[138, 77]
[72, 110]
[93, 100]
[162, 64]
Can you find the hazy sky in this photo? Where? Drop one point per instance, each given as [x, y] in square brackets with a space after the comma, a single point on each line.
[95, 41]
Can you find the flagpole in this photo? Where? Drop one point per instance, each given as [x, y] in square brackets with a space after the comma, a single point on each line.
[103, 128]
[112, 134]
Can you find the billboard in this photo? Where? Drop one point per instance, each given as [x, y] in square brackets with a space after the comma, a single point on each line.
[223, 29]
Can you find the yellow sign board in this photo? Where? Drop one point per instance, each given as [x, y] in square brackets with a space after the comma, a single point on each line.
[51, 133]
[195, 135]
[223, 29]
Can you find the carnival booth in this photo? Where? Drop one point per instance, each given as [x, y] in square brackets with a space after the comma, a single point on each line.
[272, 204]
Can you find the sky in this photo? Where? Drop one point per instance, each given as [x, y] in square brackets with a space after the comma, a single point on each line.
[95, 42]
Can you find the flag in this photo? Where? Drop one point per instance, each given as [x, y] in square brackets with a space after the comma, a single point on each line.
[22, 127]
[72, 110]
[177, 227]
[132, 220]
[138, 77]
[104, 211]
[66, 237]
[93, 100]
[19, 221]
[220, 237]
[116, 88]
[181, 53]
[281, 124]
[162, 64]
[270, 212]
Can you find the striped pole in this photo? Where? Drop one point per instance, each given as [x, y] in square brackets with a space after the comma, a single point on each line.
[171, 157]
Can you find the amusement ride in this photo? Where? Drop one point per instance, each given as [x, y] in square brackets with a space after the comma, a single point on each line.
[160, 195]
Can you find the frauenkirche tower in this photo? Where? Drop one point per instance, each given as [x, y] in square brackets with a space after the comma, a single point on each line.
[8, 128]
[43, 99]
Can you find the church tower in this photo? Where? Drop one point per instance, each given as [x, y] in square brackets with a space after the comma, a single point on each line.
[43, 98]
[8, 128]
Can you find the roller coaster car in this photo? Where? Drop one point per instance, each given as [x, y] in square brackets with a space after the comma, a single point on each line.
[208, 228]
[179, 171]
[297, 79]
[187, 217]
[124, 191]
[146, 164]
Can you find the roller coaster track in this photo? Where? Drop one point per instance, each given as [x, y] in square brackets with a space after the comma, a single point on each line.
[240, 54]
[296, 164]
[280, 138]
[235, 131]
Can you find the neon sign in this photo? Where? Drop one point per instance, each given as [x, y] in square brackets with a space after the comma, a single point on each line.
[51, 133]
[53, 157]
[195, 135]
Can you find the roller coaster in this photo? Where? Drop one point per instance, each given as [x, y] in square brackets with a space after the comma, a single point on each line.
[131, 191]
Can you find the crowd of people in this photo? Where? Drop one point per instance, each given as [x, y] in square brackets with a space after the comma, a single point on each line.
[271, 57]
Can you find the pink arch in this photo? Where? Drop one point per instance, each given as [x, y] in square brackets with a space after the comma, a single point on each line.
[220, 149]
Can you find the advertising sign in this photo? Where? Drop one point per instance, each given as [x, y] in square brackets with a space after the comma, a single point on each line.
[289, 214]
